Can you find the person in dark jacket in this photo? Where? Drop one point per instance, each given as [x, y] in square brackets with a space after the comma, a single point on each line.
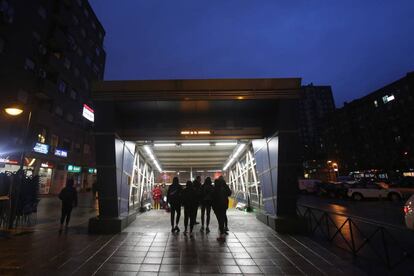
[190, 202]
[174, 199]
[220, 204]
[206, 202]
[69, 198]
[197, 187]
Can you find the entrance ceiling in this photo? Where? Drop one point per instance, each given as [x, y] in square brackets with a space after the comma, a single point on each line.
[193, 154]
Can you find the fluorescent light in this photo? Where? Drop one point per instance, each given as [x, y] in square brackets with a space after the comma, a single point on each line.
[169, 171]
[151, 155]
[165, 145]
[235, 155]
[204, 132]
[226, 144]
[214, 171]
[195, 144]
[200, 171]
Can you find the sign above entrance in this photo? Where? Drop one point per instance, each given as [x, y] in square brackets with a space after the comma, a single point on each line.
[61, 153]
[41, 148]
[195, 132]
[74, 169]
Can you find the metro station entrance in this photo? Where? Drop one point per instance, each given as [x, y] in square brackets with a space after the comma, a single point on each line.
[149, 131]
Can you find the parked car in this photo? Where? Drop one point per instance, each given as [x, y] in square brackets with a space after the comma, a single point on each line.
[405, 186]
[409, 213]
[373, 190]
[330, 189]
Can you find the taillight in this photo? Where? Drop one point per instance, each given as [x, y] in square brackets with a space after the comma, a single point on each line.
[406, 209]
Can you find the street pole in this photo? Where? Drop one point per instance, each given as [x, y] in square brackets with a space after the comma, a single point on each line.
[20, 174]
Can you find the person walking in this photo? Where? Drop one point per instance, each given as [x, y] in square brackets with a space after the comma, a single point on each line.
[206, 202]
[197, 187]
[174, 199]
[69, 198]
[220, 204]
[190, 202]
[156, 196]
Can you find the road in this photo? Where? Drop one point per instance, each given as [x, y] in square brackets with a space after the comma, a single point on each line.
[383, 211]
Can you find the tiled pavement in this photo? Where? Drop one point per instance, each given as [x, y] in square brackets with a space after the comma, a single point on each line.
[148, 248]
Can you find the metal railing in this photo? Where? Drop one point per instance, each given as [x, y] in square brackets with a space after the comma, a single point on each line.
[370, 242]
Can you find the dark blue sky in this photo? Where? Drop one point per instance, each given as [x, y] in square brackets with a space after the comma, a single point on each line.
[356, 46]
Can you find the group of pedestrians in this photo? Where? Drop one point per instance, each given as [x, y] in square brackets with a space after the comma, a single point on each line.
[195, 194]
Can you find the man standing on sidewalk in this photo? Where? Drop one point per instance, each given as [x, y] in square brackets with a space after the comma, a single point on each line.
[69, 198]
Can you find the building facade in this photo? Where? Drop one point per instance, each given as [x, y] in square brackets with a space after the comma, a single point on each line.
[375, 132]
[50, 53]
[316, 102]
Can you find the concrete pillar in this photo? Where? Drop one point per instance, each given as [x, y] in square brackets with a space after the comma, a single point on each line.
[109, 150]
[278, 166]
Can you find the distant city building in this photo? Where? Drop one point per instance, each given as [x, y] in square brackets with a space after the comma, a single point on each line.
[316, 103]
[375, 132]
[50, 53]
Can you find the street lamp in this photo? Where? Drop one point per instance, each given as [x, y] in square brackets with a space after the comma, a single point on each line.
[16, 110]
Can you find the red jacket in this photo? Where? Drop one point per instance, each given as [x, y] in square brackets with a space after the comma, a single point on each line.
[156, 193]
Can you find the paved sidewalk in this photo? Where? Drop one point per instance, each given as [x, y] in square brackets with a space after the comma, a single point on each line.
[148, 248]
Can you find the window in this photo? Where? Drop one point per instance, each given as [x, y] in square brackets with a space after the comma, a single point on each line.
[76, 71]
[42, 49]
[7, 11]
[77, 147]
[58, 110]
[97, 51]
[80, 52]
[83, 32]
[387, 99]
[66, 144]
[85, 83]
[88, 60]
[62, 86]
[75, 20]
[73, 94]
[67, 63]
[36, 35]
[69, 117]
[42, 12]
[29, 64]
[2, 45]
[54, 141]
[376, 103]
[86, 149]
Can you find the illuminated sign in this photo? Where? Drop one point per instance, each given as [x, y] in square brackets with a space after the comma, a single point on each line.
[387, 99]
[74, 169]
[195, 132]
[8, 161]
[61, 153]
[91, 170]
[88, 113]
[46, 165]
[41, 148]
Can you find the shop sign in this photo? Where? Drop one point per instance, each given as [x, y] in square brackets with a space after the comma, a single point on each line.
[88, 113]
[74, 169]
[92, 170]
[61, 153]
[46, 165]
[41, 148]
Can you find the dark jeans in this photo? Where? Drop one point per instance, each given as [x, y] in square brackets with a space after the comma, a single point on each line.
[221, 218]
[190, 213]
[175, 208]
[205, 207]
[66, 210]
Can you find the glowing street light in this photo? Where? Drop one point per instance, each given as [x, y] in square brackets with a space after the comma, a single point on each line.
[13, 111]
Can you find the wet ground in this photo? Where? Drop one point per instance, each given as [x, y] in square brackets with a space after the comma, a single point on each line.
[147, 247]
